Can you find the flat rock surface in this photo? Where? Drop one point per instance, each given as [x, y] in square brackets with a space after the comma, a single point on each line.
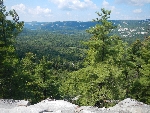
[10, 103]
[60, 106]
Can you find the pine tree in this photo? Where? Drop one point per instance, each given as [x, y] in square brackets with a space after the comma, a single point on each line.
[46, 81]
[140, 88]
[9, 29]
[100, 37]
[100, 78]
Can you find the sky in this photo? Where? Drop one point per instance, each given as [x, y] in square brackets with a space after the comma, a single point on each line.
[78, 10]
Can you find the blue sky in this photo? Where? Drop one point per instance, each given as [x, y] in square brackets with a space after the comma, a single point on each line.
[78, 10]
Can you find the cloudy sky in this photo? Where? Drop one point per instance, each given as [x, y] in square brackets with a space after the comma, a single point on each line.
[78, 10]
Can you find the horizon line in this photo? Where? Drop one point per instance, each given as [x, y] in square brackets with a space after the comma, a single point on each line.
[86, 21]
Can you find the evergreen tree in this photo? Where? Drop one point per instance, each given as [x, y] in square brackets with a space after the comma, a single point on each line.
[9, 29]
[99, 79]
[24, 78]
[100, 37]
[141, 87]
[47, 81]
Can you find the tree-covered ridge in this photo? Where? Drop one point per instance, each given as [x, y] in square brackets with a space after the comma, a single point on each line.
[41, 63]
[128, 30]
[64, 38]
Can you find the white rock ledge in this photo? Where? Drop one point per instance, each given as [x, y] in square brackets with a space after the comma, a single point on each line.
[60, 106]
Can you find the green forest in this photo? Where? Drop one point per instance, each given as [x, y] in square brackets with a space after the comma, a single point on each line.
[93, 64]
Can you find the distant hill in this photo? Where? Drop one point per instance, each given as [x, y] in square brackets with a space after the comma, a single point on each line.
[125, 28]
[54, 26]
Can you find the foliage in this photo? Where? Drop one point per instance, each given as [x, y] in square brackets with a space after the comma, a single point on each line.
[35, 81]
[8, 60]
[93, 83]
[62, 49]
[100, 77]
[141, 86]
[113, 69]
[100, 38]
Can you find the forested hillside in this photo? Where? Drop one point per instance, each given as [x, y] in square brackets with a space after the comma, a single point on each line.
[128, 30]
[99, 60]
[52, 45]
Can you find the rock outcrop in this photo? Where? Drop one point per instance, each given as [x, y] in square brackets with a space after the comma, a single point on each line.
[60, 106]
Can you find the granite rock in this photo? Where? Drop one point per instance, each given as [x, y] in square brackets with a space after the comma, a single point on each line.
[60, 106]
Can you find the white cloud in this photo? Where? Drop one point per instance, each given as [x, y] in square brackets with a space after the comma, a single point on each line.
[74, 4]
[38, 10]
[107, 6]
[134, 2]
[137, 11]
[68, 13]
[34, 11]
[19, 7]
[105, 3]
